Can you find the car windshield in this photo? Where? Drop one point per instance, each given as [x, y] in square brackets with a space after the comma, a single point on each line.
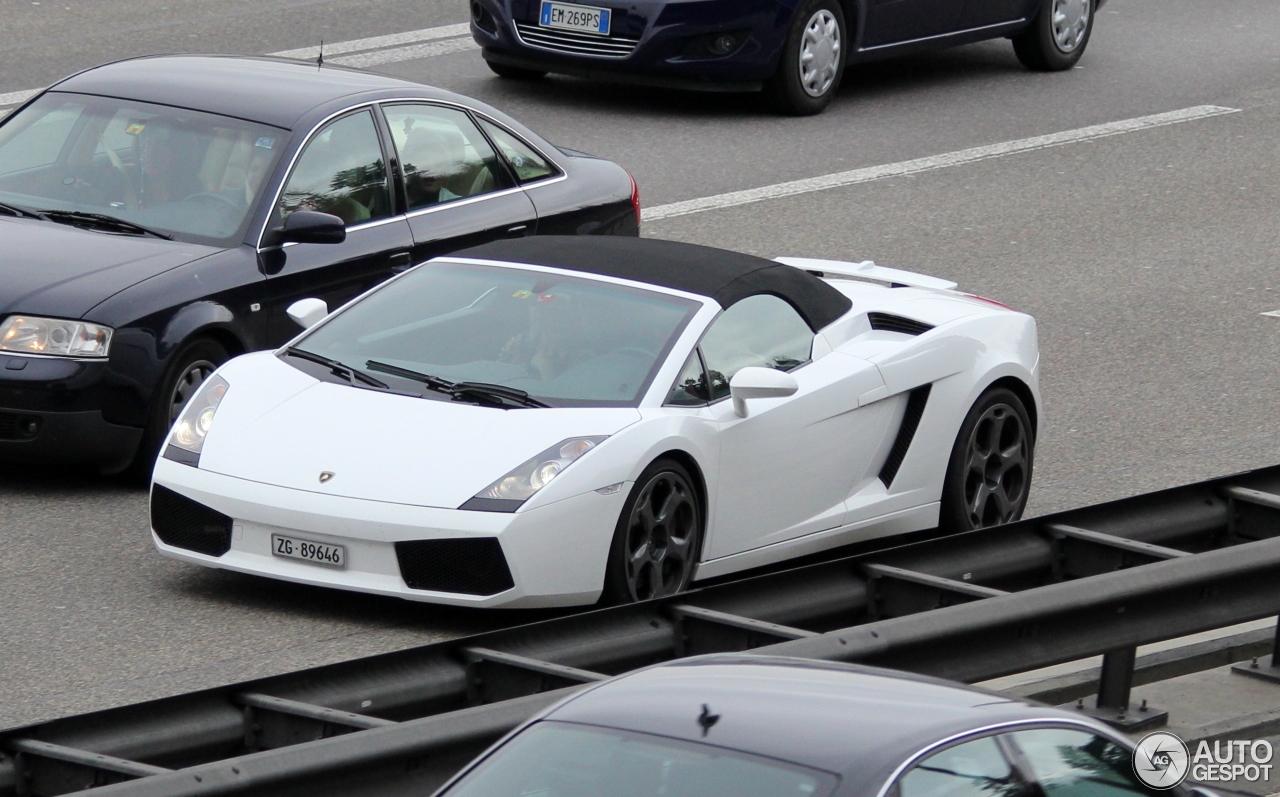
[555, 759]
[193, 176]
[566, 341]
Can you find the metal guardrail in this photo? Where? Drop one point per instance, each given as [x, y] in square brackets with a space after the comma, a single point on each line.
[1099, 580]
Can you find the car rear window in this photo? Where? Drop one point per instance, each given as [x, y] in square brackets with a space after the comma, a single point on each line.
[557, 759]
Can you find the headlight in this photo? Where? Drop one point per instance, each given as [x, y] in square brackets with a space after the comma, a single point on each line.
[54, 336]
[534, 474]
[194, 423]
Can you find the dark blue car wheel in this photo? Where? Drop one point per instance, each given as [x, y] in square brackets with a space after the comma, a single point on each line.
[812, 61]
[1057, 37]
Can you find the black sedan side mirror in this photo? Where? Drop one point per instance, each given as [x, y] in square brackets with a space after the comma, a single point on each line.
[312, 227]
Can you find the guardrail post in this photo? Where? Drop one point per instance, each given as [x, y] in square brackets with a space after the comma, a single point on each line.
[1264, 668]
[1114, 684]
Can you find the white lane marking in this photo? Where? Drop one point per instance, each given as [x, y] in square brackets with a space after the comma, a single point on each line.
[15, 97]
[428, 50]
[947, 160]
[416, 38]
[376, 42]
[1272, 313]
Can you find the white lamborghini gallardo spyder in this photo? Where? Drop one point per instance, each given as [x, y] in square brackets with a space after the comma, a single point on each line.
[555, 420]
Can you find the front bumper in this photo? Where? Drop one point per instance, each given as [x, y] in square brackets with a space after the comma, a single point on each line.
[667, 35]
[556, 553]
[55, 410]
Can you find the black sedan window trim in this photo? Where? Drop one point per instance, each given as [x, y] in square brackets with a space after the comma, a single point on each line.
[375, 106]
[994, 729]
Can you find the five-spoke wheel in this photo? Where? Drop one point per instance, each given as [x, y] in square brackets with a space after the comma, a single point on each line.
[989, 473]
[657, 540]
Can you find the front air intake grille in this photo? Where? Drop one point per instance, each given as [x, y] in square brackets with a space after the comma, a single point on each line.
[18, 427]
[910, 422]
[470, 566]
[887, 322]
[565, 41]
[183, 523]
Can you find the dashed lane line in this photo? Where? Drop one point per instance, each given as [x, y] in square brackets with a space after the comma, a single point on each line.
[372, 51]
[932, 163]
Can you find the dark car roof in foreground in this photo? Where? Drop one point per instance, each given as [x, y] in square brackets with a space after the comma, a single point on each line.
[275, 91]
[859, 721]
[720, 274]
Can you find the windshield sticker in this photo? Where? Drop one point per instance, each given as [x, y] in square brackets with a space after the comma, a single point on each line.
[522, 294]
[135, 127]
[546, 297]
[265, 142]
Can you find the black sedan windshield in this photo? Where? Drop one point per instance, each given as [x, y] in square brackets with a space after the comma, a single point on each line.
[186, 174]
[553, 759]
[566, 341]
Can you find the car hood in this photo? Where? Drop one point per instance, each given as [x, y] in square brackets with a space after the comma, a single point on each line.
[58, 270]
[280, 426]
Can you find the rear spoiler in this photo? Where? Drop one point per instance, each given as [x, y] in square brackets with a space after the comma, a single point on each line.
[867, 270]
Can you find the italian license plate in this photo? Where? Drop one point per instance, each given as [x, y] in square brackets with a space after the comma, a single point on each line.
[315, 552]
[575, 17]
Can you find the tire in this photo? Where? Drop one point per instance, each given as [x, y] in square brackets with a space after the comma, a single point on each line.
[1057, 37]
[989, 472]
[188, 369]
[658, 537]
[514, 72]
[818, 32]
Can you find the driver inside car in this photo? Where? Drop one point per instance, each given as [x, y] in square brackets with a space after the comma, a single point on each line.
[554, 340]
[167, 163]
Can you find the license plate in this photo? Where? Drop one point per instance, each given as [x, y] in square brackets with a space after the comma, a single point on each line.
[575, 17]
[314, 552]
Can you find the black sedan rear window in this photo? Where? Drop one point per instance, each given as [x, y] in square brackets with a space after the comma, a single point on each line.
[187, 174]
[555, 759]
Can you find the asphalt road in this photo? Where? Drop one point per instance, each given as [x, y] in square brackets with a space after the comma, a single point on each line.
[1148, 257]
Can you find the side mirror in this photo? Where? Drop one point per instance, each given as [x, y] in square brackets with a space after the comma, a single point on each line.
[755, 382]
[311, 227]
[306, 313]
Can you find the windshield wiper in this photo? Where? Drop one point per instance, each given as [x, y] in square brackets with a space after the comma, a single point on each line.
[101, 221]
[500, 394]
[336, 368]
[14, 210]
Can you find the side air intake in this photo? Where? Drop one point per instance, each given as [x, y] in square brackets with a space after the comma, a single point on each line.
[887, 322]
[910, 422]
[469, 565]
[183, 523]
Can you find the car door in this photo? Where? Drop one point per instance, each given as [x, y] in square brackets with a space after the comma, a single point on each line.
[787, 467]
[459, 191]
[342, 170]
[980, 13]
[894, 21]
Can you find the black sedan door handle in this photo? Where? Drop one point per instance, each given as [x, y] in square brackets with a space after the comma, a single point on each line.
[400, 262]
[518, 230]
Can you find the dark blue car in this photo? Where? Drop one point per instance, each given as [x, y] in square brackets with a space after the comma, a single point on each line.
[795, 50]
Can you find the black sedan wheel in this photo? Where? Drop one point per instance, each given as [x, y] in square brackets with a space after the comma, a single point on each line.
[989, 473]
[658, 537]
[1057, 38]
[188, 370]
[812, 61]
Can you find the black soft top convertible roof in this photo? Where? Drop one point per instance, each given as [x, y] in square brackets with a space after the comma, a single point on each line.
[725, 276]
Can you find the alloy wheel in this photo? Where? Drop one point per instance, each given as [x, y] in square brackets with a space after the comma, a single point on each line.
[1069, 23]
[996, 468]
[819, 53]
[189, 382]
[661, 538]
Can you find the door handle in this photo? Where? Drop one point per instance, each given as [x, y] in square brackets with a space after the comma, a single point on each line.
[517, 231]
[400, 262]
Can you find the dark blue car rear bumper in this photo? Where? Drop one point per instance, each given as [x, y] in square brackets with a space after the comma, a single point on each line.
[671, 38]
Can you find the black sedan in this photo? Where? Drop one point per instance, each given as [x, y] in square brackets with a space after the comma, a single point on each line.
[754, 726]
[158, 215]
